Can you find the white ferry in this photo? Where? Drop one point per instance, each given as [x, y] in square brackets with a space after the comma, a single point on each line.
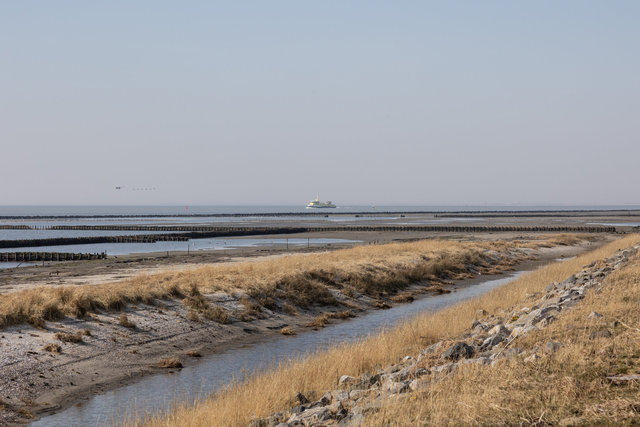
[318, 204]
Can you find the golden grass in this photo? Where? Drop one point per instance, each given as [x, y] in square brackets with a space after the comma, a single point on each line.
[70, 338]
[274, 390]
[52, 348]
[568, 387]
[298, 280]
[169, 363]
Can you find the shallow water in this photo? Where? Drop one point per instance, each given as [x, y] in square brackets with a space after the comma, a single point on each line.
[216, 243]
[154, 394]
[15, 264]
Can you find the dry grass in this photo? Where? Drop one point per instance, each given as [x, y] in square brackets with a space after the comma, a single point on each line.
[272, 391]
[297, 280]
[192, 315]
[217, 314]
[566, 387]
[123, 320]
[169, 363]
[194, 353]
[70, 338]
[287, 331]
[323, 319]
[52, 348]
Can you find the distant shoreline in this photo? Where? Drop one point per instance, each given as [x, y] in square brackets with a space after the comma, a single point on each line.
[437, 213]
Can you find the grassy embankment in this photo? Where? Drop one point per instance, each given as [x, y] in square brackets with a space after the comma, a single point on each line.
[567, 387]
[272, 391]
[297, 280]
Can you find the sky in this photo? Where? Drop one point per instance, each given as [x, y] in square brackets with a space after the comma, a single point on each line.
[364, 102]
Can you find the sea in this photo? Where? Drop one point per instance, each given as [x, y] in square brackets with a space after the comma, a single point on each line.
[186, 210]
[39, 219]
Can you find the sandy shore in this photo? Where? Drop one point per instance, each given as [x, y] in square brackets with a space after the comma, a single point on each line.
[110, 355]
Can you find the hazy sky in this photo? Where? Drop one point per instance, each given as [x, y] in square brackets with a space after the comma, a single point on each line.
[365, 102]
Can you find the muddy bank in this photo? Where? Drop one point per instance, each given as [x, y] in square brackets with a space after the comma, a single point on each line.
[111, 352]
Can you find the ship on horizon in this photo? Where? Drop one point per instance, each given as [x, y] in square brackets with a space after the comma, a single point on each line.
[318, 204]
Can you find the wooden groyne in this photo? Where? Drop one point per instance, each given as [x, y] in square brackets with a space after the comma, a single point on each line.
[47, 256]
[189, 231]
[184, 233]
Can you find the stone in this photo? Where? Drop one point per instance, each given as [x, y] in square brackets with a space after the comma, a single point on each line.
[443, 369]
[552, 346]
[459, 350]
[419, 384]
[346, 380]
[311, 416]
[337, 409]
[477, 361]
[392, 369]
[594, 315]
[400, 375]
[399, 387]
[357, 394]
[339, 395]
[499, 330]
[492, 341]
[431, 349]
[408, 359]
[605, 333]
[301, 398]
[326, 399]
[510, 352]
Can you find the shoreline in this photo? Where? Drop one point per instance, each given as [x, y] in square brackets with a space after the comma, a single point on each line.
[79, 370]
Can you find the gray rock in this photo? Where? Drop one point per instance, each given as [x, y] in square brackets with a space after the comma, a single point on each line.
[459, 350]
[443, 369]
[419, 384]
[431, 349]
[325, 400]
[301, 398]
[399, 387]
[499, 330]
[492, 341]
[357, 394]
[605, 333]
[510, 352]
[477, 361]
[352, 420]
[311, 416]
[346, 380]
[552, 346]
[339, 395]
[337, 410]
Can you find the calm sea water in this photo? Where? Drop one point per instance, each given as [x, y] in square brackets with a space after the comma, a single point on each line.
[248, 209]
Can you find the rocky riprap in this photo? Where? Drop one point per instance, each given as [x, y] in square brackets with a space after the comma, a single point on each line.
[483, 344]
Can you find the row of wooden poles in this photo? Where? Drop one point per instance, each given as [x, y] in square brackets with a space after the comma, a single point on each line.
[284, 230]
[47, 256]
